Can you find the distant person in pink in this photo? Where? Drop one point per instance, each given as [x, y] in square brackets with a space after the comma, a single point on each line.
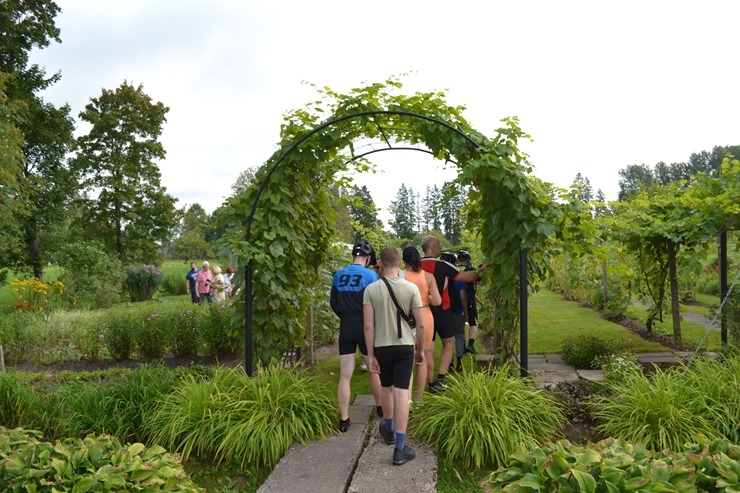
[203, 282]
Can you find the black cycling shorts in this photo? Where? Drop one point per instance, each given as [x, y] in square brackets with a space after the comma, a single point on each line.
[396, 364]
[350, 337]
[443, 324]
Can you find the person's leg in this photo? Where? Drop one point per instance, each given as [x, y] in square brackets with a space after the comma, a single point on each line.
[403, 366]
[445, 359]
[429, 362]
[346, 368]
[374, 383]
[459, 336]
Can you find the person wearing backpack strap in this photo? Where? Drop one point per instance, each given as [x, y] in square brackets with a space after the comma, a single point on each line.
[390, 347]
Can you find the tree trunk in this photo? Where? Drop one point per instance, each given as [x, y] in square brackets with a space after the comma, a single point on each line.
[34, 257]
[119, 234]
[309, 333]
[604, 282]
[673, 281]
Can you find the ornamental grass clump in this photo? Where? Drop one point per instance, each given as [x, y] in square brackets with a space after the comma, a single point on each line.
[142, 281]
[658, 411]
[241, 419]
[482, 418]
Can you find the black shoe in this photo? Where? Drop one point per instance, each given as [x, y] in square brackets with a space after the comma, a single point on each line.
[344, 425]
[401, 457]
[379, 411]
[435, 387]
[470, 350]
[388, 436]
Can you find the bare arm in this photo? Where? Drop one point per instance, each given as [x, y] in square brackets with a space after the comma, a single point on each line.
[421, 329]
[368, 323]
[470, 275]
[435, 298]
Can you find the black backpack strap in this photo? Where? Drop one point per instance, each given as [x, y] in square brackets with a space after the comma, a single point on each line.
[399, 312]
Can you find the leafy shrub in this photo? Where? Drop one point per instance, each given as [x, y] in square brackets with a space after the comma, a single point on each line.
[21, 334]
[221, 334]
[582, 351]
[92, 464]
[236, 418]
[482, 418]
[153, 336]
[616, 367]
[615, 306]
[91, 276]
[142, 281]
[186, 333]
[617, 465]
[173, 283]
[121, 327]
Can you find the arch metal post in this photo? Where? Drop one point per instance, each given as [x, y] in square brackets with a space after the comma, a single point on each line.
[723, 284]
[523, 322]
[248, 346]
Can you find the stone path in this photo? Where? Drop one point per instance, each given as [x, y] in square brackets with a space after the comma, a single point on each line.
[360, 462]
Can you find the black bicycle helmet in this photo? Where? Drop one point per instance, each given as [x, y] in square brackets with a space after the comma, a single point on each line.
[364, 248]
[448, 257]
[463, 256]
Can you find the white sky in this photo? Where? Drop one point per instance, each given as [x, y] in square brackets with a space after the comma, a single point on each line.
[598, 85]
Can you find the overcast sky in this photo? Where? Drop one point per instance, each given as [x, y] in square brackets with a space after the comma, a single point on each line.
[598, 85]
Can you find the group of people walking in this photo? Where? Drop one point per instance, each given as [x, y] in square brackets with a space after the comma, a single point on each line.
[376, 314]
[208, 284]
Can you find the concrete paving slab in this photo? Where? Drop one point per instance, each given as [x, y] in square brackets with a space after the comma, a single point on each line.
[321, 466]
[554, 358]
[545, 378]
[550, 367]
[376, 472]
[591, 375]
[657, 358]
[366, 400]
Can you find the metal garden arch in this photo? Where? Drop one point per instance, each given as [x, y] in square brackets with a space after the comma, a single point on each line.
[249, 269]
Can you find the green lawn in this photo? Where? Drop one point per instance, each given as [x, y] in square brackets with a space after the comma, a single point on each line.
[691, 333]
[553, 319]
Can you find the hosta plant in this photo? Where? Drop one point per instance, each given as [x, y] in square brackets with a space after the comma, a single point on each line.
[95, 463]
[614, 466]
[482, 418]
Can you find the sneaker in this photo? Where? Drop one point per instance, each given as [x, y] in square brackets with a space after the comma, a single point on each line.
[401, 457]
[363, 367]
[344, 425]
[388, 436]
[470, 350]
[435, 387]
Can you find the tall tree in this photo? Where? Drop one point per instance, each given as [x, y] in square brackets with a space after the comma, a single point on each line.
[454, 199]
[191, 242]
[118, 160]
[634, 178]
[362, 210]
[46, 184]
[402, 213]
[581, 189]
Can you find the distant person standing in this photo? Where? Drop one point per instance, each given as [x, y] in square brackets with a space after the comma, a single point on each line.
[471, 307]
[347, 289]
[390, 345]
[204, 280]
[190, 282]
[218, 286]
[444, 273]
[228, 286]
[430, 296]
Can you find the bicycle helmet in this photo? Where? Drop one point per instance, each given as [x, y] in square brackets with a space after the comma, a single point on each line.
[363, 248]
[463, 256]
[448, 257]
